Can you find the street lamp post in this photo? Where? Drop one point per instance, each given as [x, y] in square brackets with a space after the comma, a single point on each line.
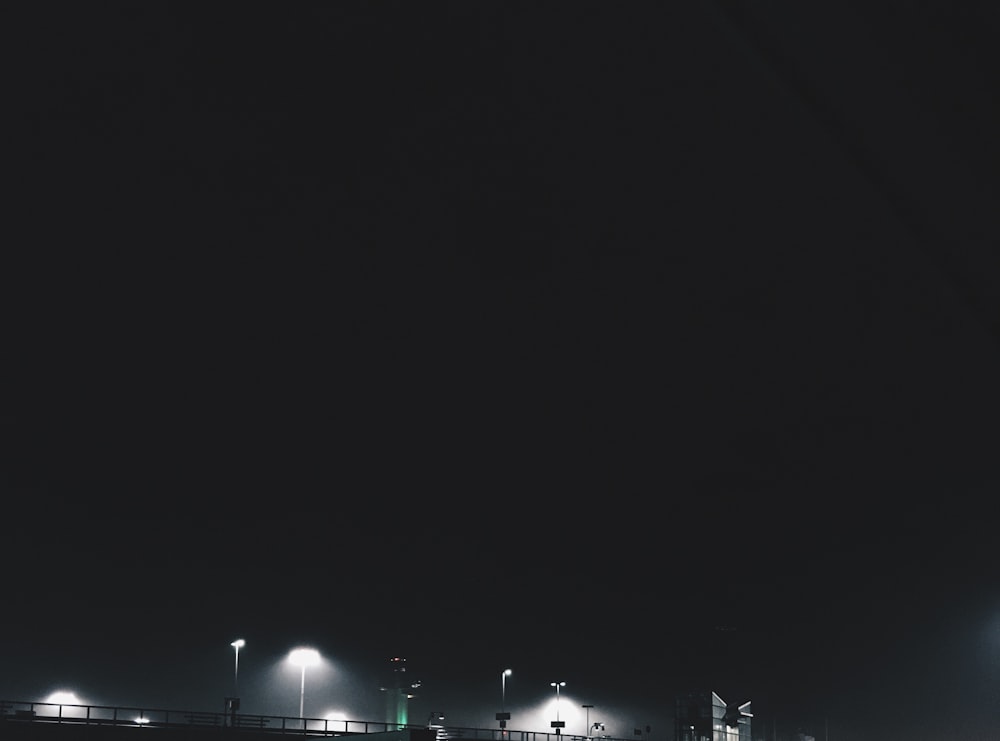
[557, 724]
[303, 657]
[237, 644]
[503, 716]
[587, 708]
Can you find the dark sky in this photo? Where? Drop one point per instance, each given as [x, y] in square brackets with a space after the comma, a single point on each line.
[647, 349]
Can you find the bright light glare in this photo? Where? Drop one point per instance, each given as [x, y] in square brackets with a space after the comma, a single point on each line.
[63, 697]
[565, 708]
[140, 719]
[304, 657]
[238, 643]
[335, 715]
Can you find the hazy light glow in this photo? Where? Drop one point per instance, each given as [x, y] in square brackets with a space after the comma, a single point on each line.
[66, 701]
[304, 657]
[537, 715]
[238, 643]
[553, 705]
[337, 720]
[63, 697]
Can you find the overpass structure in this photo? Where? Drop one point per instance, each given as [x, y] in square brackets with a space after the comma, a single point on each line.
[43, 721]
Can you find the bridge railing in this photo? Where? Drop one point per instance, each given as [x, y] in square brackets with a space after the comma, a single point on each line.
[48, 712]
[459, 733]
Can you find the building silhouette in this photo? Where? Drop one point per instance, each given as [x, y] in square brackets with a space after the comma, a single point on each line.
[704, 716]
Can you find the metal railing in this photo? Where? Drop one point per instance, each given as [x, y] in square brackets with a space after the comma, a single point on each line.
[107, 715]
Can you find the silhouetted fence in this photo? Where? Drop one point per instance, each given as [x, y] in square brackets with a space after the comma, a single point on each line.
[106, 715]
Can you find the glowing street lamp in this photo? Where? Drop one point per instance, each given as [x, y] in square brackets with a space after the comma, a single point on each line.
[503, 717]
[303, 657]
[237, 644]
[557, 724]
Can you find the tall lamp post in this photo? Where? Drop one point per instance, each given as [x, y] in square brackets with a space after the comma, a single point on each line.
[503, 716]
[237, 644]
[303, 657]
[587, 708]
[557, 724]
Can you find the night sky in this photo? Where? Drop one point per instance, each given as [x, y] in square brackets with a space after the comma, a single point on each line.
[647, 349]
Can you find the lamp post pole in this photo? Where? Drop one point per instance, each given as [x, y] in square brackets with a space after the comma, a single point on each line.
[302, 693]
[558, 724]
[303, 657]
[587, 708]
[503, 716]
[237, 644]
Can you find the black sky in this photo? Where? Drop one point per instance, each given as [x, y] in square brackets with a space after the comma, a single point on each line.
[488, 332]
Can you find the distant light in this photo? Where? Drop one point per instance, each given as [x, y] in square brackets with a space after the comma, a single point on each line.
[335, 715]
[304, 657]
[238, 643]
[63, 697]
[141, 720]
